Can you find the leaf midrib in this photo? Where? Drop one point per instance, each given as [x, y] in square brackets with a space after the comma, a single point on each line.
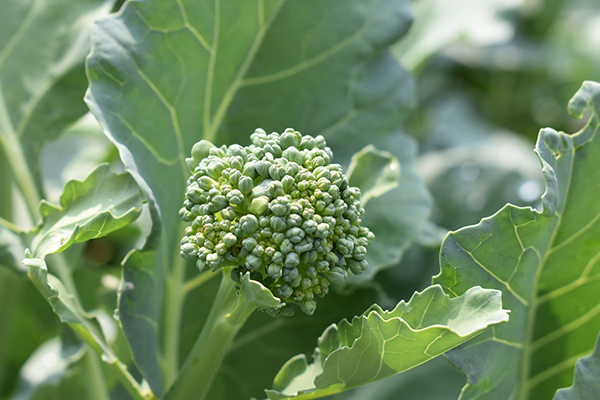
[525, 364]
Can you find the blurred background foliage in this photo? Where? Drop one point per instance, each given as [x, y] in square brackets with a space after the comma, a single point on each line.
[489, 74]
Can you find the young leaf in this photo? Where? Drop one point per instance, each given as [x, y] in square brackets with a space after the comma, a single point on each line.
[586, 380]
[86, 326]
[383, 343]
[374, 172]
[397, 216]
[103, 202]
[258, 295]
[43, 43]
[546, 264]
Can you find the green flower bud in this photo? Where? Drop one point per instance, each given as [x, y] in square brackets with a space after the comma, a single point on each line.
[278, 224]
[249, 223]
[274, 271]
[205, 183]
[253, 263]
[291, 260]
[337, 275]
[246, 184]
[287, 183]
[284, 291]
[259, 205]
[249, 243]
[229, 239]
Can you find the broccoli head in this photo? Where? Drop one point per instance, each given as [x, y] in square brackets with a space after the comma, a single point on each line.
[278, 209]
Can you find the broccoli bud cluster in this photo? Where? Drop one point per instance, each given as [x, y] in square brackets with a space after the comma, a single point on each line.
[278, 209]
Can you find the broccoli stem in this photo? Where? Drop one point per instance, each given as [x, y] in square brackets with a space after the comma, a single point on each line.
[227, 316]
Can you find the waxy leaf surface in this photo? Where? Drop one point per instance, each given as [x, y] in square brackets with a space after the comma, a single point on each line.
[547, 265]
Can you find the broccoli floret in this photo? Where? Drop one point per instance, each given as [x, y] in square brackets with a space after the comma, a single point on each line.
[278, 209]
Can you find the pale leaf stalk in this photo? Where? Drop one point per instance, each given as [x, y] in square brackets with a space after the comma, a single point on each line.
[227, 316]
[175, 296]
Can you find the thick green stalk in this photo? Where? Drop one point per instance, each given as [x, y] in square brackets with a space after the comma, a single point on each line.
[10, 294]
[227, 316]
[175, 296]
[17, 162]
[96, 390]
[10, 284]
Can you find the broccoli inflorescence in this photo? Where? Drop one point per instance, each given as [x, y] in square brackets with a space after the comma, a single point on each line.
[278, 209]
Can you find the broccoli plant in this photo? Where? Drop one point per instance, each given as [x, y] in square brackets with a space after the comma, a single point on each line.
[189, 255]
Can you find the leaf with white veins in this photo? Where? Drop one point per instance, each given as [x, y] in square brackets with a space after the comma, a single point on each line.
[382, 343]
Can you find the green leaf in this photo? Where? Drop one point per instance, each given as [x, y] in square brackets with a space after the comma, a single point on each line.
[440, 23]
[374, 172]
[237, 65]
[546, 264]
[397, 216]
[42, 80]
[73, 155]
[86, 326]
[12, 247]
[67, 307]
[256, 294]
[138, 318]
[103, 202]
[49, 365]
[382, 343]
[435, 380]
[586, 379]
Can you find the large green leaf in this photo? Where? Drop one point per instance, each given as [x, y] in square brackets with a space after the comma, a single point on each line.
[435, 380]
[43, 45]
[103, 202]
[382, 343]
[586, 380]
[164, 75]
[137, 315]
[546, 264]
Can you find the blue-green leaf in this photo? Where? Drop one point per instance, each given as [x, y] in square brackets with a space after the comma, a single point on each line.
[546, 264]
[586, 379]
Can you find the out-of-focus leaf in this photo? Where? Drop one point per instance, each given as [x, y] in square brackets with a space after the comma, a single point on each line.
[546, 264]
[397, 216]
[439, 23]
[374, 172]
[42, 80]
[68, 308]
[103, 202]
[48, 366]
[12, 247]
[471, 181]
[318, 66]
[586, 379]
[382, 343]
[73, 155]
